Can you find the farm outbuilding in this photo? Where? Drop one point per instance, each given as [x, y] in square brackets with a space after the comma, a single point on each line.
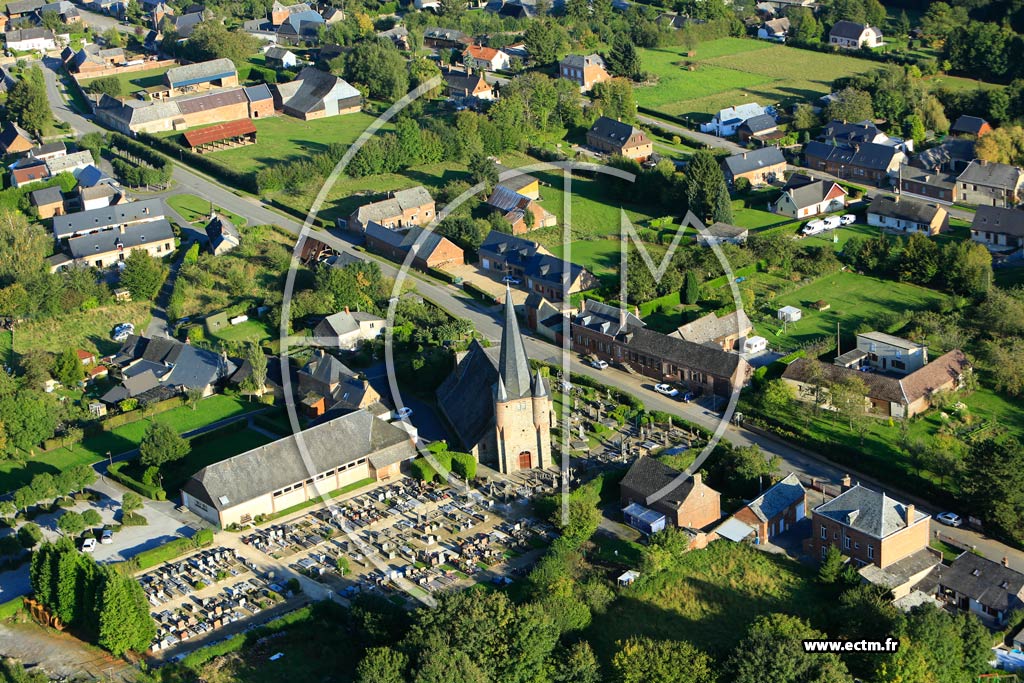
[789, 314]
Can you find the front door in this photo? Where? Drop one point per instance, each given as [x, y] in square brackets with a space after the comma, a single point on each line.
[525, 460]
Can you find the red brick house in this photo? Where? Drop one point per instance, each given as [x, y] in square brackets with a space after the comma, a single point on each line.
[775, 510]
[686, 502]
[432, 251]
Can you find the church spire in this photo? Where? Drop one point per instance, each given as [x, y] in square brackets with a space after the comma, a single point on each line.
[513, 364]
[539, 390]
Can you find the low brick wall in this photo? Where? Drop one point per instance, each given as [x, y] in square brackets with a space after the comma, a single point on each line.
[116, 70]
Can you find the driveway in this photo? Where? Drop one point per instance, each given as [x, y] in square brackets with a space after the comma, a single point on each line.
[709, 140]
[490, 283]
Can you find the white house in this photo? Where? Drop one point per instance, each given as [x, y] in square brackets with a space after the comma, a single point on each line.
[852, 35]
[33, 39]
[803, 197]
[486, 58]
[346, 329]
[280, 57]
[789, 314]
[774, 30]
[726, 121]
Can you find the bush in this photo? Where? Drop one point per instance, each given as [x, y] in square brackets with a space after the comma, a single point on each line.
[464, 465]
[134, 519]
[294, 586]
[152, 492]
[30, 534]
[92, 518]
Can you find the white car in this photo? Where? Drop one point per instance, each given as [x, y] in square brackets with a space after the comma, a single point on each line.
[949, 519]
[832, 222]
[847, 219]
[666, 390]
[813, 227]
[599, 364]
[122, 331]
[89, 545]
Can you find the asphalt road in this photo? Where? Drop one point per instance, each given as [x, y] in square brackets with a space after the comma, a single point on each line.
[709, 140]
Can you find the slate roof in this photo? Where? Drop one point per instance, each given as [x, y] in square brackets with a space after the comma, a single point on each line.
[190, 366]
[405, 239]
[47, 195]
[613, 132]
[991, 174]
[870, 512]
[927, 176]
[326, 369]
[200, 72]
[448, 34]
[95, 192]
[710, 327]
[11, 132]
[900, 572]
[891, 340]
[905, 209]
[395, 205]
[647, 476]
[868, 155]
[70, 162]
[778, 498]
[759, 124]
[92, 175]
[278, 53]
[998, 219]
[745, 162]
[49, 148]
[683, 353]
[220, 230]
[27, 34]
[256, 93]
[847, 29]
[606, 319]
[859, 131]
[988, 582]
[97, 219]
[515, 250]
[461, 80]
[581, 61]
[23, 6]
[811, 193]
[105, 241]
[214, 99]
[943, 155]
[263, 470]
[972, 125]
[185, 24]
[881, 387]
[526, 254]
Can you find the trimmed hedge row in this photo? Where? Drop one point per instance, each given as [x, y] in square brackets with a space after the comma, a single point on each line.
[152, 492]
[478, 293]
[172, 549]
[441, 275]
[115, 421]
[236, 643]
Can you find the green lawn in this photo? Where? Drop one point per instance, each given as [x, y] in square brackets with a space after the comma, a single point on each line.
[121, 439]
[957, 83]
[731, 71]
[602, 257]
[250, 331]
[709, 598]
[196, 209]
[855, 300]
[283, 138]
[135, 81]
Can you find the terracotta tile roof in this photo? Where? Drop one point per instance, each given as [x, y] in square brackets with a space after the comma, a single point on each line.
[221, 131]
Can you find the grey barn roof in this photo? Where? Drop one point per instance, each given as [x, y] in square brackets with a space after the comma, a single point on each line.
[263, 470]
[307, 92]
[968, 124]
[745, 162]
[97, 219]
[991, 174]
[847, 29]
[647, 476]
[866, 155]
[105, 241]
[904, 208]
[778, 498]
[200, 72]
[871, 512]
[998, 219]
[683, 353]
[988, 582]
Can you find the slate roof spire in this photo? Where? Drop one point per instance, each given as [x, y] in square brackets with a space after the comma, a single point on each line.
[513, 363]
[539, 390]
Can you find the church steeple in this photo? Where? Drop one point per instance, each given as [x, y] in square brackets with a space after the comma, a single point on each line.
[513, 363]
[539, 390]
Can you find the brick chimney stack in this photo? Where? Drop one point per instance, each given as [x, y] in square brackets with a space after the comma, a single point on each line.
[909, 511]
[845, 483]
[697, 479]
[1006, 561]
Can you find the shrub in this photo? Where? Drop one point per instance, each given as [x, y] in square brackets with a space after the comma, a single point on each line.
[30, 534]
[294, 586]
[91, 517]
[153, 492]
[134, 519]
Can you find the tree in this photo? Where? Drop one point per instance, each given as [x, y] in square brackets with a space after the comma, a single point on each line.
[44, 486]
[615, 99]
[27, 419]
[27, 104]
[130, 502]
[71, 523]
[212, 40]
[546, 40]
[804, 117]
[642, 660]
[91, 517]
[452, 9]
[113, 38]
[106, 85]
[851, 104]
[579, 665]
[256, 381]
[804, 26]
[24, 497]
[831, 566]
[341, 564]
[162, 444]
[776, 397]
[79, 477]
[623, 59]
[380, 67]
[193, 395]
[7, 510]
[382, 665]
[124, 621]
[691, 288]
[913, 128]
[29, 535]
[1004, 145]
[142, 275]
[704, 186]
[773, 652]
[67, 368]
[993, 484]
[483, 170]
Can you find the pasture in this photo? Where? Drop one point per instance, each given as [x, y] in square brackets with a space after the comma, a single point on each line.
[731, 71]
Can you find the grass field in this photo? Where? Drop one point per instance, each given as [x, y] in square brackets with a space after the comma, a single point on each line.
[121, 439]
[89, 330]
[855, 300]
[709, 598]
[135, 81]
[196, 209]
[283, 138]
[602, 257]
[731, 71]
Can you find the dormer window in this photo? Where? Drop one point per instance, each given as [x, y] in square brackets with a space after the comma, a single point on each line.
[976, 572]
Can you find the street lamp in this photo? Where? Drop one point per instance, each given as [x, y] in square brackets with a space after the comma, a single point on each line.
[110, 458]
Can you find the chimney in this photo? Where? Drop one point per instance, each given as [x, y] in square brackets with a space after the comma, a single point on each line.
[1006, 561]
[121, 228]
[622, 317]
[909, 512]
[346, 309]
[696, 479]
[744, 155]
[845, 483]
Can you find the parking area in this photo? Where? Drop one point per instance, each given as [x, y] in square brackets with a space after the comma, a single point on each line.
[488, 282]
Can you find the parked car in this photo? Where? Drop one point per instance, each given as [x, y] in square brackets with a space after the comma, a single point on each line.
[832, 222]
[403, 413]
[123, 331]
[511, 279]
[666, 390]
[813, 227]
[599, 364]
[89, 545]
[689, 396]
[107, 537]
[949, 519]
[847, 219]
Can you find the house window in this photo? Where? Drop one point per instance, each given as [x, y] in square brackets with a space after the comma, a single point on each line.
[871, 552]
[856, 546]
[824, 533]
[846, 542]
[823, 551]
